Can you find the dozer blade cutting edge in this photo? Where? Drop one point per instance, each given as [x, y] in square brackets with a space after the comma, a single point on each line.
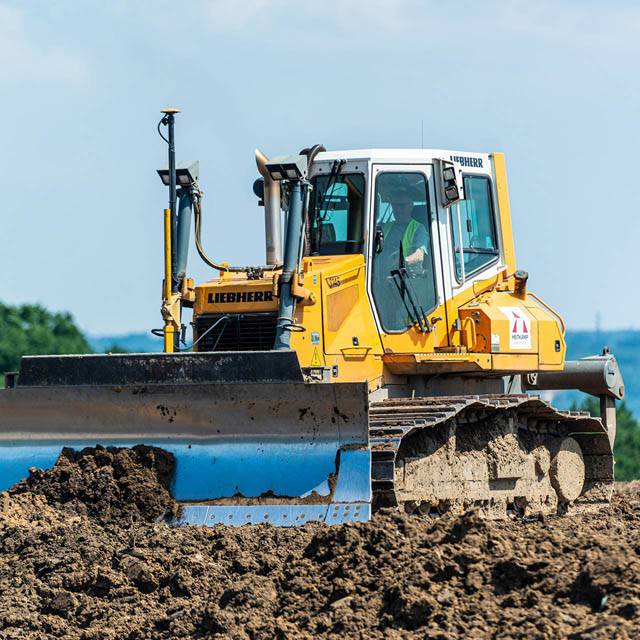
[252, 442]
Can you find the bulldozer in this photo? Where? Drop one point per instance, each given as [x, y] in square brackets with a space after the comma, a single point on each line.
[388, 354]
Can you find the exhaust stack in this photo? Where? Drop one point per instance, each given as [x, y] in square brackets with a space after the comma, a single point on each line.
[272, 226]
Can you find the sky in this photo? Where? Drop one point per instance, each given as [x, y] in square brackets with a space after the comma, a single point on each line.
[555, 85]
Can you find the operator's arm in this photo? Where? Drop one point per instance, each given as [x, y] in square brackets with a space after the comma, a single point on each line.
[420, 241]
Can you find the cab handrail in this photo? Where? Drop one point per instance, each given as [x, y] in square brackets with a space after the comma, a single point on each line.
[563, 326]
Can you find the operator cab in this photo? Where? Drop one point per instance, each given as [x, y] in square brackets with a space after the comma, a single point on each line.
[421, 241]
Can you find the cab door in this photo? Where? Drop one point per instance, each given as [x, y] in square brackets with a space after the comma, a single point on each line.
[406, 276]
[470, 245]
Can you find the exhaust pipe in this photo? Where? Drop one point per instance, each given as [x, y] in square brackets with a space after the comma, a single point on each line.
[272, 226]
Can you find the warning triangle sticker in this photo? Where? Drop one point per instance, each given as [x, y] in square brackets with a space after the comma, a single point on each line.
[315, 360]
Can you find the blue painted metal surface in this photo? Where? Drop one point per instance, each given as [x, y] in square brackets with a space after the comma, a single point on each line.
[351, 502]
[209, 471]
[183, 228]
[204, 471]
[292, 246]
[245, 453]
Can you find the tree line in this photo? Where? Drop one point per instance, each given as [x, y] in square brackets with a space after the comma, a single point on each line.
[627, 447]
[30, 329]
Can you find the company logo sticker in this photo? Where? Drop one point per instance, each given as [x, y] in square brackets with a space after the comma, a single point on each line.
[519, 327]
[231, 297]
[466, 161]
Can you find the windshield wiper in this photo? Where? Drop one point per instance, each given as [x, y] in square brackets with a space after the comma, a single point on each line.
[405, 289]
[336, 168]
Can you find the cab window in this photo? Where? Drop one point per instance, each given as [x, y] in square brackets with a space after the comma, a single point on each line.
[336, 213]
[403, 277]
[473, 228]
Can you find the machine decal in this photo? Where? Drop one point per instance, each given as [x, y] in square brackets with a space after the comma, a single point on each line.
[315, 360]
[519, 327]
[334, 281]
[465, 161]
[240, 296]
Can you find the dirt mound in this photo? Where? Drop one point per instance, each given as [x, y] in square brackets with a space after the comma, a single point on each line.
[109, 484]
[68, 569]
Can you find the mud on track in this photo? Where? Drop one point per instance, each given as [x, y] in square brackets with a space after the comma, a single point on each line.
[84, 553]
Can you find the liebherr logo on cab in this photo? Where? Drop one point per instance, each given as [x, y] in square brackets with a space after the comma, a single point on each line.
[228, 297]
[466, 161]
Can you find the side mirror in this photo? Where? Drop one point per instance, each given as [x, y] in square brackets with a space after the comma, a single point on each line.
[258, 190]
[379, 240]
[449, 176]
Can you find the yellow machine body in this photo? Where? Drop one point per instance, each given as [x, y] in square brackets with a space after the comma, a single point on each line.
[340, 338]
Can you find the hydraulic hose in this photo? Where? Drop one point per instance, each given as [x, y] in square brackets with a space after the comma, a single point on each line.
[197, 196]
[197, 212]
[311, 153]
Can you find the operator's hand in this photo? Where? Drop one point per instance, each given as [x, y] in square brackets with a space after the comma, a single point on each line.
[416, 257]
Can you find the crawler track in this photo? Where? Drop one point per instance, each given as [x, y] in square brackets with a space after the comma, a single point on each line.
[501, 453]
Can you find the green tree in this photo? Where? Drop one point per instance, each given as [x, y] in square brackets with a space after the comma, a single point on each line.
[627, 446]
[32, 330]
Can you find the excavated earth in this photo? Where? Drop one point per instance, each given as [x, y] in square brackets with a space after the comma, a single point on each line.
[85, 552]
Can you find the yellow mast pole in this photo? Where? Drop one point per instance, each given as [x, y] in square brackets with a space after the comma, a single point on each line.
[169, 329]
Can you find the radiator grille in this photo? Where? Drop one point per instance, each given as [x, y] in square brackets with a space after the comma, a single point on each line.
[237, 332]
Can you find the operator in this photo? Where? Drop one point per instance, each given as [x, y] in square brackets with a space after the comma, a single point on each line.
[403, 229]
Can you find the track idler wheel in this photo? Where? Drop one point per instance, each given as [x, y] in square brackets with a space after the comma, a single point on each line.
[567, 472]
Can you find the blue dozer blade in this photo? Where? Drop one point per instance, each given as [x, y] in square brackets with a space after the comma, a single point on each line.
[284, 453]
[206, 472]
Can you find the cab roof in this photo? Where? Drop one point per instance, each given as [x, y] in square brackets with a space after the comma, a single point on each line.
[396, 155]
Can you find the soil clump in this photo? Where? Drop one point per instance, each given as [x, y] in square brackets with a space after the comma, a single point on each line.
[85, 553]
[109, 484]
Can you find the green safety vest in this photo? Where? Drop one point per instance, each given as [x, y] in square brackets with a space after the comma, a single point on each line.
[407, 238]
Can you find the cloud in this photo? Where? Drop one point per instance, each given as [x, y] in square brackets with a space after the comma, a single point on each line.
[425, 23]
[22, 57]
[353, 16]
[614, 25]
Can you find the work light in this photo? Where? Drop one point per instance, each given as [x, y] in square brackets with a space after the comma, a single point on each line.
[186, 173]
[287, 168]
